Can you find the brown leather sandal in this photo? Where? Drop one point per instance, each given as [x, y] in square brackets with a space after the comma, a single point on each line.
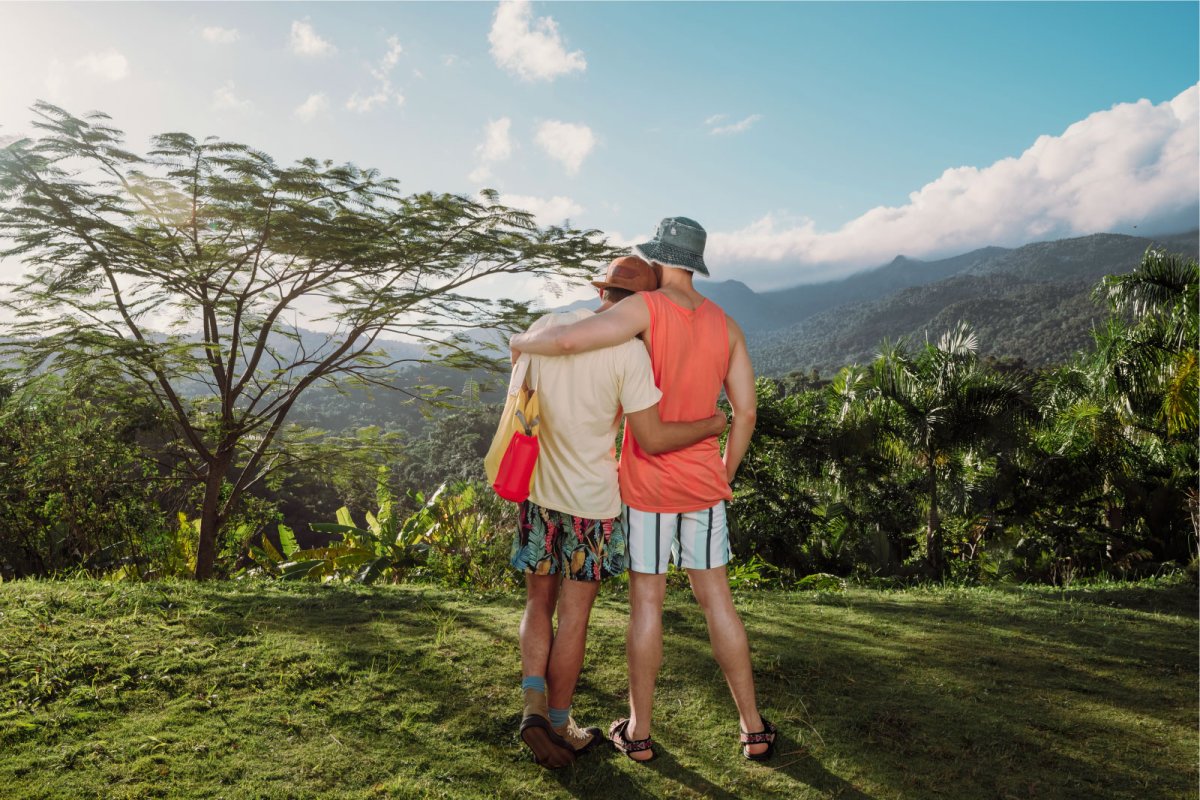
[549, 749]
[616, 734]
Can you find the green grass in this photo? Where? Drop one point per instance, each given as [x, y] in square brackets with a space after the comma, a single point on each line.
[244, 690]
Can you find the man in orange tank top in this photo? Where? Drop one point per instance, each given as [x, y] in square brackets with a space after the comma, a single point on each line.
[675, 502]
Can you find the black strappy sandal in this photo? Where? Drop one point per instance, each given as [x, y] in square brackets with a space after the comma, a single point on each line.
[765, 736]
[616, 735]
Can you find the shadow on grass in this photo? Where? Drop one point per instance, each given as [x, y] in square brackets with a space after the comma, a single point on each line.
[972, 696]
[1010, 702]
[1177, 600]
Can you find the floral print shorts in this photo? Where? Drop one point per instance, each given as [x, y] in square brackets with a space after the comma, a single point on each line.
[549, 542]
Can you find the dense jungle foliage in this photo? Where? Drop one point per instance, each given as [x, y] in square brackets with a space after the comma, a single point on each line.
[927, 462]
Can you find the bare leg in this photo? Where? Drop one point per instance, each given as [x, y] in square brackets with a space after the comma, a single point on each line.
[570, 640]
[537, 634]
[537, 623]
[729, 644]
[643, 647]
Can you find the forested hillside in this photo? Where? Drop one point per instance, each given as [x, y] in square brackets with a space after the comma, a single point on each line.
[1033, 303]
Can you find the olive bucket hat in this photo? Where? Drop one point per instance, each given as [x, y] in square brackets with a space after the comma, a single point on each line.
[679, 242]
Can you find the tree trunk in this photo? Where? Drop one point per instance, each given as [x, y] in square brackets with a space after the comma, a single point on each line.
[210, 519]
[933, 539]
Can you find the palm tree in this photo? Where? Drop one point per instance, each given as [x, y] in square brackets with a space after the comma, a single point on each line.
[940, 401]
[1151, 365]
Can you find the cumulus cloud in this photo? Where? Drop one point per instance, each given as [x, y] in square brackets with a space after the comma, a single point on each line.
[547, 211]
[310, 108]
[363, 103]
[306, 42]
[109, 64]
[533, 50]
[217, 35]
[736, 127]
[566, 142]
[1132, 164]
[225, 99]
[383, 92]
[496, 146]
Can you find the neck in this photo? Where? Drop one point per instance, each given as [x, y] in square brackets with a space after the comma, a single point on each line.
[676, 278]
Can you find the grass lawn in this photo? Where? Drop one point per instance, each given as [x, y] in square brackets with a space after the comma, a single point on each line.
[245, 690]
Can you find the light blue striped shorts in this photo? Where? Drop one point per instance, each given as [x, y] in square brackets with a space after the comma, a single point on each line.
[693, 539]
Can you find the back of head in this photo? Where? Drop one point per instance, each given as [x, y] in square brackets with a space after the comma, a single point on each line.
[626, 275]
[612, 294]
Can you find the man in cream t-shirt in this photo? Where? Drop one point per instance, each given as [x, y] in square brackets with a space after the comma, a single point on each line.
[570, 534]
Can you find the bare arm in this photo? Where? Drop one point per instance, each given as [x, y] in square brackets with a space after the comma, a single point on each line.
[655, 436]
[618, 324]
[739, 388]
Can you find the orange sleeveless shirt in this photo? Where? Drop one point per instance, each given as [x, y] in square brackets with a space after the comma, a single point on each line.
[689, 351]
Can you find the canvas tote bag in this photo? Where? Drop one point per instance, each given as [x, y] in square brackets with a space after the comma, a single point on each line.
[510, 459]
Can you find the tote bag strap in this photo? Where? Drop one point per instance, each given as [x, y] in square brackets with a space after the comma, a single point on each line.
[520, 370]
[519, 378]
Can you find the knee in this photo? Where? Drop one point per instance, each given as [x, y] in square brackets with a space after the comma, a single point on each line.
[540, 605]
[713, 599]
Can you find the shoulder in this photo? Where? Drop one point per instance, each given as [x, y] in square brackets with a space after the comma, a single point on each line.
[633, 311]
[735, 330]
[556, 318]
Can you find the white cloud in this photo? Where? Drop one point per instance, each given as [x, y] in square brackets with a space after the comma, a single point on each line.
[110, 64]
[363, 103]
[392, 56]
[383, 93]
[566, 143]
[531, 49]
[496, 146]
[1132, 164]
[737, 127]
[225, 99]
[217, 35]
[547, 211]
[310, 108]
[449, 60]
[481, 174]
[305, 41]
[715, 118]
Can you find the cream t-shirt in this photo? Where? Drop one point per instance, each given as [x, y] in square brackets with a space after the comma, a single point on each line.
[582, 397]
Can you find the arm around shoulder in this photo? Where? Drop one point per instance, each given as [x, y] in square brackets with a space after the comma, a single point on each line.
[618, 324]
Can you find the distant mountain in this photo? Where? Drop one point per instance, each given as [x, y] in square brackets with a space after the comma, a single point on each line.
[784, 307]
[1032, 302]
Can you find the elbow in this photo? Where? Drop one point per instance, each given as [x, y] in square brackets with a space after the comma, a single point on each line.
[747, 418]
[565, 344]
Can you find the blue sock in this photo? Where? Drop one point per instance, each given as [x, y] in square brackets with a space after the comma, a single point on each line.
[533, 682]
[559, 716]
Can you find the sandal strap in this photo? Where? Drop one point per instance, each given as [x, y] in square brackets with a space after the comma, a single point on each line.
[765, 736]
[624, 744]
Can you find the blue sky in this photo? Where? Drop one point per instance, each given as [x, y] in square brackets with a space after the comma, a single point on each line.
[811, 139]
